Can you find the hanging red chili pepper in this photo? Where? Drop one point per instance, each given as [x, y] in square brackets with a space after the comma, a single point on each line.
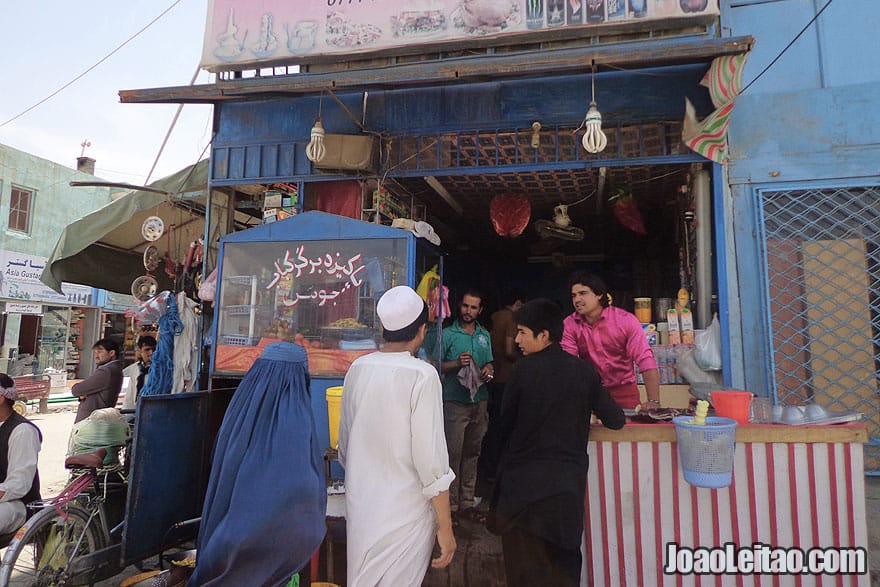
[626, 211]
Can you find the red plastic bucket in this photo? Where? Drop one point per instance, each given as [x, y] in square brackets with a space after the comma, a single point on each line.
[732, 404]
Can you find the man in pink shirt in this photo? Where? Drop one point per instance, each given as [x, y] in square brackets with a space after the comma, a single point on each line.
[613, 340]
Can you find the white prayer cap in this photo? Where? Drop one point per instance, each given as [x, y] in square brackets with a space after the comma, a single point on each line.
[399, 307]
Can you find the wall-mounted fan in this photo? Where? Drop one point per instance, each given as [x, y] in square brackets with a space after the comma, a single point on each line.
[560, 227]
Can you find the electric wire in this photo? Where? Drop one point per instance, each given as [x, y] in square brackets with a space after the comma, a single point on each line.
[786, 48]
[84, 73]
[170, 129]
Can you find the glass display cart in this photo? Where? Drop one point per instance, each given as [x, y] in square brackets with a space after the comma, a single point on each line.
[313, 279]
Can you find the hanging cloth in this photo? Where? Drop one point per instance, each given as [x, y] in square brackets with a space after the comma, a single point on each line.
[708, 137]
[161, 378]
[265, 507]
[185, 347]
[438, 301]
[429, 279]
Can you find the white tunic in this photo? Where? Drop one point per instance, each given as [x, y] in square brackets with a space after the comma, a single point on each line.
[24, 446]
[393, 448]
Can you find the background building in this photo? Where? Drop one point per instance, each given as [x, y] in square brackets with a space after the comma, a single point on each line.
[41, 328]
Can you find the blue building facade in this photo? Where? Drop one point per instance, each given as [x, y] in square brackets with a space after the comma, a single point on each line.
[803, 206]
[786, 232]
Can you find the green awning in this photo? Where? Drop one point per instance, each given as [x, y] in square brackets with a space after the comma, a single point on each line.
[104, 249]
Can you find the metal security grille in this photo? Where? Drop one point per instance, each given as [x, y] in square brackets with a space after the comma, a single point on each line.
[822, 262]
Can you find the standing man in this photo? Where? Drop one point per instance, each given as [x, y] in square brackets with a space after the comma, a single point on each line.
[392, 446]
[19, 446]
[613, 340]
[538, 503]
[101, 388]
[138, 371]
[505, 353]
[467, 363]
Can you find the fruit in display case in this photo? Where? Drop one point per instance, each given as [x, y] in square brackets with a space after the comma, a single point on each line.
[279, 329]
[347, 323]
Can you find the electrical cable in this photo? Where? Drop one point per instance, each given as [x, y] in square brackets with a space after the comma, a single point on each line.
[584, 199]
[786, 48]
[84, 73]
[170, 129]
[763, 71]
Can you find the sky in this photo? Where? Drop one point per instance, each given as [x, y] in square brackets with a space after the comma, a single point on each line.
[50, 42]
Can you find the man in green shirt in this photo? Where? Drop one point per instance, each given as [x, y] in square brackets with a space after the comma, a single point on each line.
[467, 367]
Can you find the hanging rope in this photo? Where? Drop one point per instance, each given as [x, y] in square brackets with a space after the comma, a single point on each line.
[161, 378]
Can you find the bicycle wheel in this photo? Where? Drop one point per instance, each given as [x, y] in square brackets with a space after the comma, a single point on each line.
[44, 547]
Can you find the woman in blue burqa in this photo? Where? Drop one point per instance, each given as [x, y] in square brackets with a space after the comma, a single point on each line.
[264, 512]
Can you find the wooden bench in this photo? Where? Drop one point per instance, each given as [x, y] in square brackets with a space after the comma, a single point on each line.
[34, 388]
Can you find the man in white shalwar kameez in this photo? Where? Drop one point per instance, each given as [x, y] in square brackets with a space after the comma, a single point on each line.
[393, 448]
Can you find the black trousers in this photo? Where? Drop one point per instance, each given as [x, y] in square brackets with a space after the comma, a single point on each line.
[530, 561]
[491, 450]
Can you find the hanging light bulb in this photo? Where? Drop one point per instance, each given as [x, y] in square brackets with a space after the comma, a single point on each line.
[315, 151]
[594, 140]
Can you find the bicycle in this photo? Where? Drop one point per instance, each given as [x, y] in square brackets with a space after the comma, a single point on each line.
[60, 544]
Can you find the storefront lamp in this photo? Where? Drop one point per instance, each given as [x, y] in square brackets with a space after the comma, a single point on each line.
[315, 151]
[594, 140]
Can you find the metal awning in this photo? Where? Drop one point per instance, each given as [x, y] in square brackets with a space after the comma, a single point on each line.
[104, 249]
[621, 55]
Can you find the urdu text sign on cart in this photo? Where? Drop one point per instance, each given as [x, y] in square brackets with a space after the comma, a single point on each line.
[250, 33]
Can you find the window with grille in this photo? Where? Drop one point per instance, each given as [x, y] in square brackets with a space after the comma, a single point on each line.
[20, 210]
[822, 260]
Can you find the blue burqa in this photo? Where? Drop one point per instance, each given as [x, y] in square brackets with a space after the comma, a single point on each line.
[264, 512]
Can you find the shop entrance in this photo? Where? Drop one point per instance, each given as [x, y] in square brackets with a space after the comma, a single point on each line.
[631, 209]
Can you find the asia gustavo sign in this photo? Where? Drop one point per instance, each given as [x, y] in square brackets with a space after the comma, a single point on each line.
[20, 280]
[244, 33]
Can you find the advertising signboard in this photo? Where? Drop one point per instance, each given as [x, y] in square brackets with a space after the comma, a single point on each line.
[20, 280]
[250, 33]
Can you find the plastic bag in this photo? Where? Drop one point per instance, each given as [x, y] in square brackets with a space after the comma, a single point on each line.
[687, 367]
[708, 346]
[104, 428]
[208, 289]
[150, 311]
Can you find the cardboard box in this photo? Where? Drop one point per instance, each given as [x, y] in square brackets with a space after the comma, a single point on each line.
[271, 199]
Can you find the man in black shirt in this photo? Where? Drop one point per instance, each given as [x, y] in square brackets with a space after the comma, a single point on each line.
[538, 502]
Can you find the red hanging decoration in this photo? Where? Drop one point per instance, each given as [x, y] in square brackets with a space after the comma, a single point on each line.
[626, 211]
[510, 214]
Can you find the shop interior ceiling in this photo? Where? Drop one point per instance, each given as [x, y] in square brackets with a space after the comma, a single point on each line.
[657, 189]
[473, 230]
